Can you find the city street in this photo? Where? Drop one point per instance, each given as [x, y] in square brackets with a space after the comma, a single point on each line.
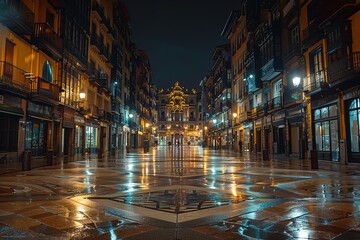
[182, 192]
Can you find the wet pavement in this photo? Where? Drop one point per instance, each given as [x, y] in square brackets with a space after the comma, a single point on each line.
[182, 193]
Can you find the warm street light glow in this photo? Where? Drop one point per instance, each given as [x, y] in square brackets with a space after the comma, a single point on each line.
[296, 81]
[147, 125]
[234, 115]
[82, 94]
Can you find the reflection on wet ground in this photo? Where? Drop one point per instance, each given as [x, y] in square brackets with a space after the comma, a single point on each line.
[182, 193]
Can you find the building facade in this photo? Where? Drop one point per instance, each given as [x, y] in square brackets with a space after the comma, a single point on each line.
[179, 121]
[68, 77]
[295, 78]
[217, 100]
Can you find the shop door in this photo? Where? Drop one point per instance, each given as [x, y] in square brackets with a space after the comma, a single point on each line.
[66, 141]
[281, 141]
[258, 140]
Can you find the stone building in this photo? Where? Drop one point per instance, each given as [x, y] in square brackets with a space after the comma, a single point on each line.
[180, 121]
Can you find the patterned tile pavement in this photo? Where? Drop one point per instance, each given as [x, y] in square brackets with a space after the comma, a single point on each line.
[182, 193]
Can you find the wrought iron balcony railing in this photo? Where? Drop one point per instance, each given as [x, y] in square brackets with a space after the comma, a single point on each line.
[316, 81]
[13, 78]
[274, 103]
[47, 38]
[17, 16]
[43, 88]
[344, 68]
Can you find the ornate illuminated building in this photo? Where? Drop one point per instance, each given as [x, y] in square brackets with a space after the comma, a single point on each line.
[180, 118]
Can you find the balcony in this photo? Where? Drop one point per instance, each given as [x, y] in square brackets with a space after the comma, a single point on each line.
[225, 106]
[311, 35]
[292, 52]
[17, 16]
[260, 110]
[316, 82]
[94, 110]
[100, 80]
[95, 42]
[104, 53]
[48, 40]
[74, 51]
[44, 91]
[270, 70]
[274, 103]
[132, 124]
[115, 105]
[104, 115]
[13, 79]
[269, 40]
[245, 116]
[249, 58]
[344, 69]
[97, 9]
[116, 57]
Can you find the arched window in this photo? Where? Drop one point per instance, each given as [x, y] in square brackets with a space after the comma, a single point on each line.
[354, 117]
[47, 72]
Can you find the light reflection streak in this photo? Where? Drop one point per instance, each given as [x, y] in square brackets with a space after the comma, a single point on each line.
[303, 234]
[154, 165]
[233, 189]
[212, 185]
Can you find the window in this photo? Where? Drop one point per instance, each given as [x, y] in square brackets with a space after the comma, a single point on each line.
[50, 18]
[327, 131]
[258, 99]
[294, 36]
[316, 67]
[277, 88]
[354, 125]
[47, 72]
[9, 56]
[239, 40]
[311, 12]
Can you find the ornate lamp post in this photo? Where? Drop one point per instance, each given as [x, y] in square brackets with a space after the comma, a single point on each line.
[232, 132]
[296, 83]
[214, 136]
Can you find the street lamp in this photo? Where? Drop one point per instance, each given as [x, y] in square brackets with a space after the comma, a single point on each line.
[82, 95]
[232, 128]
[214, 124]
[296, 82]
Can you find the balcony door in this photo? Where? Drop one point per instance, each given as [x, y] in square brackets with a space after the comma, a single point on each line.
[316, 67]
[9, 59]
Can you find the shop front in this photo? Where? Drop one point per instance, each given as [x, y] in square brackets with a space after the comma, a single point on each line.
[326, 128]
[295, 119]
[68, 124]
[248, 136]
[36, 130]
[92, 132]
[79, 135]
[278, 124]
[11, 128]
[258, 132]
[352, 123]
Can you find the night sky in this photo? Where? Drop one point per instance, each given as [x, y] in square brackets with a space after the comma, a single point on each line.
[179, 36]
